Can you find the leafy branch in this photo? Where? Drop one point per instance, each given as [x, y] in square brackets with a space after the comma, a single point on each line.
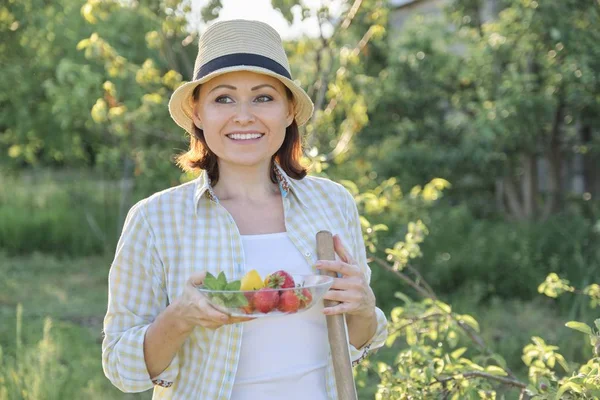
[432, 330]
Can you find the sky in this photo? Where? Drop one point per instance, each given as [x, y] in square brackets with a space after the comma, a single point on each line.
[263, 11]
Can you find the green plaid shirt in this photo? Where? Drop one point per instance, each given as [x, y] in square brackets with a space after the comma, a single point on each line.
[183, 230]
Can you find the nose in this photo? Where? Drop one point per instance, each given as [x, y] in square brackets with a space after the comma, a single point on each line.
[243, 114]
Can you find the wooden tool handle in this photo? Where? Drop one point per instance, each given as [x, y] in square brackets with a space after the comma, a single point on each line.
[336, 327]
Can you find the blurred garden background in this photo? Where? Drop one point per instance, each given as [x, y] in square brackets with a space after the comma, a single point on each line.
[468, 131]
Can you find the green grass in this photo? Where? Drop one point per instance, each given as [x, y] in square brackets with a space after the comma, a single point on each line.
[71, 295]
[70, 214]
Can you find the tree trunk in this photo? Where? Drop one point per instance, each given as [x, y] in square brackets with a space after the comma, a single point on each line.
[513, 198]
[529, 185]
[591, 166]
[499, 193]
[554, 156]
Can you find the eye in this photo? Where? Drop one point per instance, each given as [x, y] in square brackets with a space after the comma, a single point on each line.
[263, 99]
[223, 100]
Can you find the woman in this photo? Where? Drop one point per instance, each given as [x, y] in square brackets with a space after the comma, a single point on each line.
[252, 207]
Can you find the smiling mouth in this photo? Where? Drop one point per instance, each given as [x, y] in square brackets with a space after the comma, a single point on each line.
[245, 136]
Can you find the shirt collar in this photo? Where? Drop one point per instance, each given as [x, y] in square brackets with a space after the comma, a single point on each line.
[203, 187]
[286, 186]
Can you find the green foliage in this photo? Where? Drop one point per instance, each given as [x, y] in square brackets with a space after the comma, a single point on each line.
[554, 286]
[211, 10]
[462, 251]
[30, 370]
[545, 384]
[285, 8]
[69, 216]
[388, 214]
[528, 60]
[442, 353]
[51, 311]
[340, 74]
[138, 78]
[47, 89]
[437, 359]
[473, 101]
[507, 325]
[444, 356]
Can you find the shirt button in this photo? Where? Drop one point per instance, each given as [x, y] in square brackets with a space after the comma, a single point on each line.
[307, 254]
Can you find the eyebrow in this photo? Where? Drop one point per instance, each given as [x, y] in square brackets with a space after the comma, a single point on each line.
[263, 85]
[234, 88]
[223, 86]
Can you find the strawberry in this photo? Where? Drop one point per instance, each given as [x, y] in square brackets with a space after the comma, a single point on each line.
[279, 280]
[305, 298]
[289, 301]
[265, 300]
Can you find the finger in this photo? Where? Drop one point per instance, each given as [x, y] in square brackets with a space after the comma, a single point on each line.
[342, 296]
[339, 266]
[197, 279]
[214, 324]
[211, 324]
[221, 316]
[342, 251]
[235, 320]
[352, 283]
[339, 309]
[209, 312]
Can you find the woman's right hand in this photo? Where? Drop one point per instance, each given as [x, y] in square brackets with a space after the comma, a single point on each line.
[193, 309]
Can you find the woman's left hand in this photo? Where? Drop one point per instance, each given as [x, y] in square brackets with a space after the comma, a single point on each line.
[351, 289]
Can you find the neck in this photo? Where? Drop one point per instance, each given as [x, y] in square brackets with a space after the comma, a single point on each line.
[245, 183]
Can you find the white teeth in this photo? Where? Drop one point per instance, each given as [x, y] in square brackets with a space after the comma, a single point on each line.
[244, 136]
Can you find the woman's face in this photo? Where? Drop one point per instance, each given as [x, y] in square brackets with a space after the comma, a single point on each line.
[244, 116]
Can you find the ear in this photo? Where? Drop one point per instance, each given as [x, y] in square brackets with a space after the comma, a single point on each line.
[289, 118]
[196, 118]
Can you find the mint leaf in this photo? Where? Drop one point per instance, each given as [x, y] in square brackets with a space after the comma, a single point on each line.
[210, 282]
[218, 301]
[222, 280]
[237, 300]
[243, 300]
[234, 285]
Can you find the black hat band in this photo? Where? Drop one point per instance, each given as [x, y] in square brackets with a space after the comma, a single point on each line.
[242, 59]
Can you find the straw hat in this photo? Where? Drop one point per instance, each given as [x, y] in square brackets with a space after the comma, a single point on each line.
[238, 45]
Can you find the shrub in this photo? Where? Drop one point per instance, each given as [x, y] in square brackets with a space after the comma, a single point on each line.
[507, 258]
[75, 217]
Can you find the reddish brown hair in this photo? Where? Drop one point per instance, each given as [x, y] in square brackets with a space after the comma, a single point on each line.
[200, 156]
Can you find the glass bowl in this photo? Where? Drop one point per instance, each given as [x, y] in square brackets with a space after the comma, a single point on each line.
[309, 290]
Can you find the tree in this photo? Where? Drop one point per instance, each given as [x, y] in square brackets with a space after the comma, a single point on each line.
[47, 89]
[536, 87]
[495, 100]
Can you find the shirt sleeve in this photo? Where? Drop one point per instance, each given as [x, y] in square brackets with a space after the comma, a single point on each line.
[360, 254]
[136, 295]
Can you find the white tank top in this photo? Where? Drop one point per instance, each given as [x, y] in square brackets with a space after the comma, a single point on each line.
[281, 356]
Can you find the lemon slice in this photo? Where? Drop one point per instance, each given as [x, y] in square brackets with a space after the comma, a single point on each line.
[252, 281]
